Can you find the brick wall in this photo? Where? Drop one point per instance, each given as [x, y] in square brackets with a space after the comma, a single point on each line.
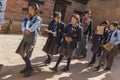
[104, 9]
[70, 10]
[47, 11]
[14, 10]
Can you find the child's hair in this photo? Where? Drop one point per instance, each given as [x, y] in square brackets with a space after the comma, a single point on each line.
[35, 6]
[57, 14]
[105, 22]
[86, 12]
[77, 16]
[115, 23]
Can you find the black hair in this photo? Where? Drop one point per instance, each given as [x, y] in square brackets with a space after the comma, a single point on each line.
[35, 6]
[86, 12]
[57, 14]
[105, 22]
[115, 23]
[77, 16]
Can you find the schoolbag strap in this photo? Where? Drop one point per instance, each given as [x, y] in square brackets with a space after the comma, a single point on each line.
[33, 23]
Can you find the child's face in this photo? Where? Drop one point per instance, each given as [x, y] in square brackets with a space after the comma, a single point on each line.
[57, 19]
[74, 21]
[87, 15]
[112, 27]
[32, 11]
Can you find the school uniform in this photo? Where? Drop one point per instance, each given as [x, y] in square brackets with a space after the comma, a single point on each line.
[75, 32]
[77, 51]
[96, 48]
[66, 49]
[28, 42]
[113, 37]
[118, 44]
[54, 40]
[87, 31]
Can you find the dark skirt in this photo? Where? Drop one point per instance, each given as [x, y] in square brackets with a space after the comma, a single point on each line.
[51, 46]
[95, 47]
[66, 51]
[25, 49]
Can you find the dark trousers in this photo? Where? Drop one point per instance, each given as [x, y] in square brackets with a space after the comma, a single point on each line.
[110, 59]
[27, 62]
[93, 60]
[60, 59]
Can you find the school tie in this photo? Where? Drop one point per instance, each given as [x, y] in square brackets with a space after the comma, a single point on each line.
[109, 36]
[55, 27]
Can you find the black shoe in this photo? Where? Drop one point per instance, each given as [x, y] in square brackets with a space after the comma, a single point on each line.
[28, 73]
[107, 69]
[84, 55]
[23, 71]
[1, 66]
[65, 69]
[53, 69]
[47, 62]
[97, 68]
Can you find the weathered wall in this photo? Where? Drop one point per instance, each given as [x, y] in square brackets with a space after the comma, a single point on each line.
[70, 10]
[104, 10]
[14, 10]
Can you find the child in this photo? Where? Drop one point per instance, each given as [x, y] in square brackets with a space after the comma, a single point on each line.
[55, 35]
[72, 34]
[87, 25]
[119, 44]
[114, 39]
[29, 28]
[96, 41]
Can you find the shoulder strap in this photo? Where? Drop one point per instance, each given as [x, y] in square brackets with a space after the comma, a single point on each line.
[33, 23]
[116, 34]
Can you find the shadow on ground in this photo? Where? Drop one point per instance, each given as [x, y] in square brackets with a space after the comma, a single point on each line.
[78, 71]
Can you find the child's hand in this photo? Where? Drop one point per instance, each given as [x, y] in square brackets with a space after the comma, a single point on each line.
[69, 39]
[66, 39]
[27, 32]
[29, 16]
[48, 31]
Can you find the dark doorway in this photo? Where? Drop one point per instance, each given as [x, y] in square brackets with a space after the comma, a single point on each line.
[61, 6]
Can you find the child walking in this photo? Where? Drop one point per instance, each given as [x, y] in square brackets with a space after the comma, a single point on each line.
[29, 27]
[97, 41]
[55, 35]
[113, 39]
[72, 34]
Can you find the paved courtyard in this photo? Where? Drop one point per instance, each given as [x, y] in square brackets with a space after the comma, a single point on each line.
[78, 69]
